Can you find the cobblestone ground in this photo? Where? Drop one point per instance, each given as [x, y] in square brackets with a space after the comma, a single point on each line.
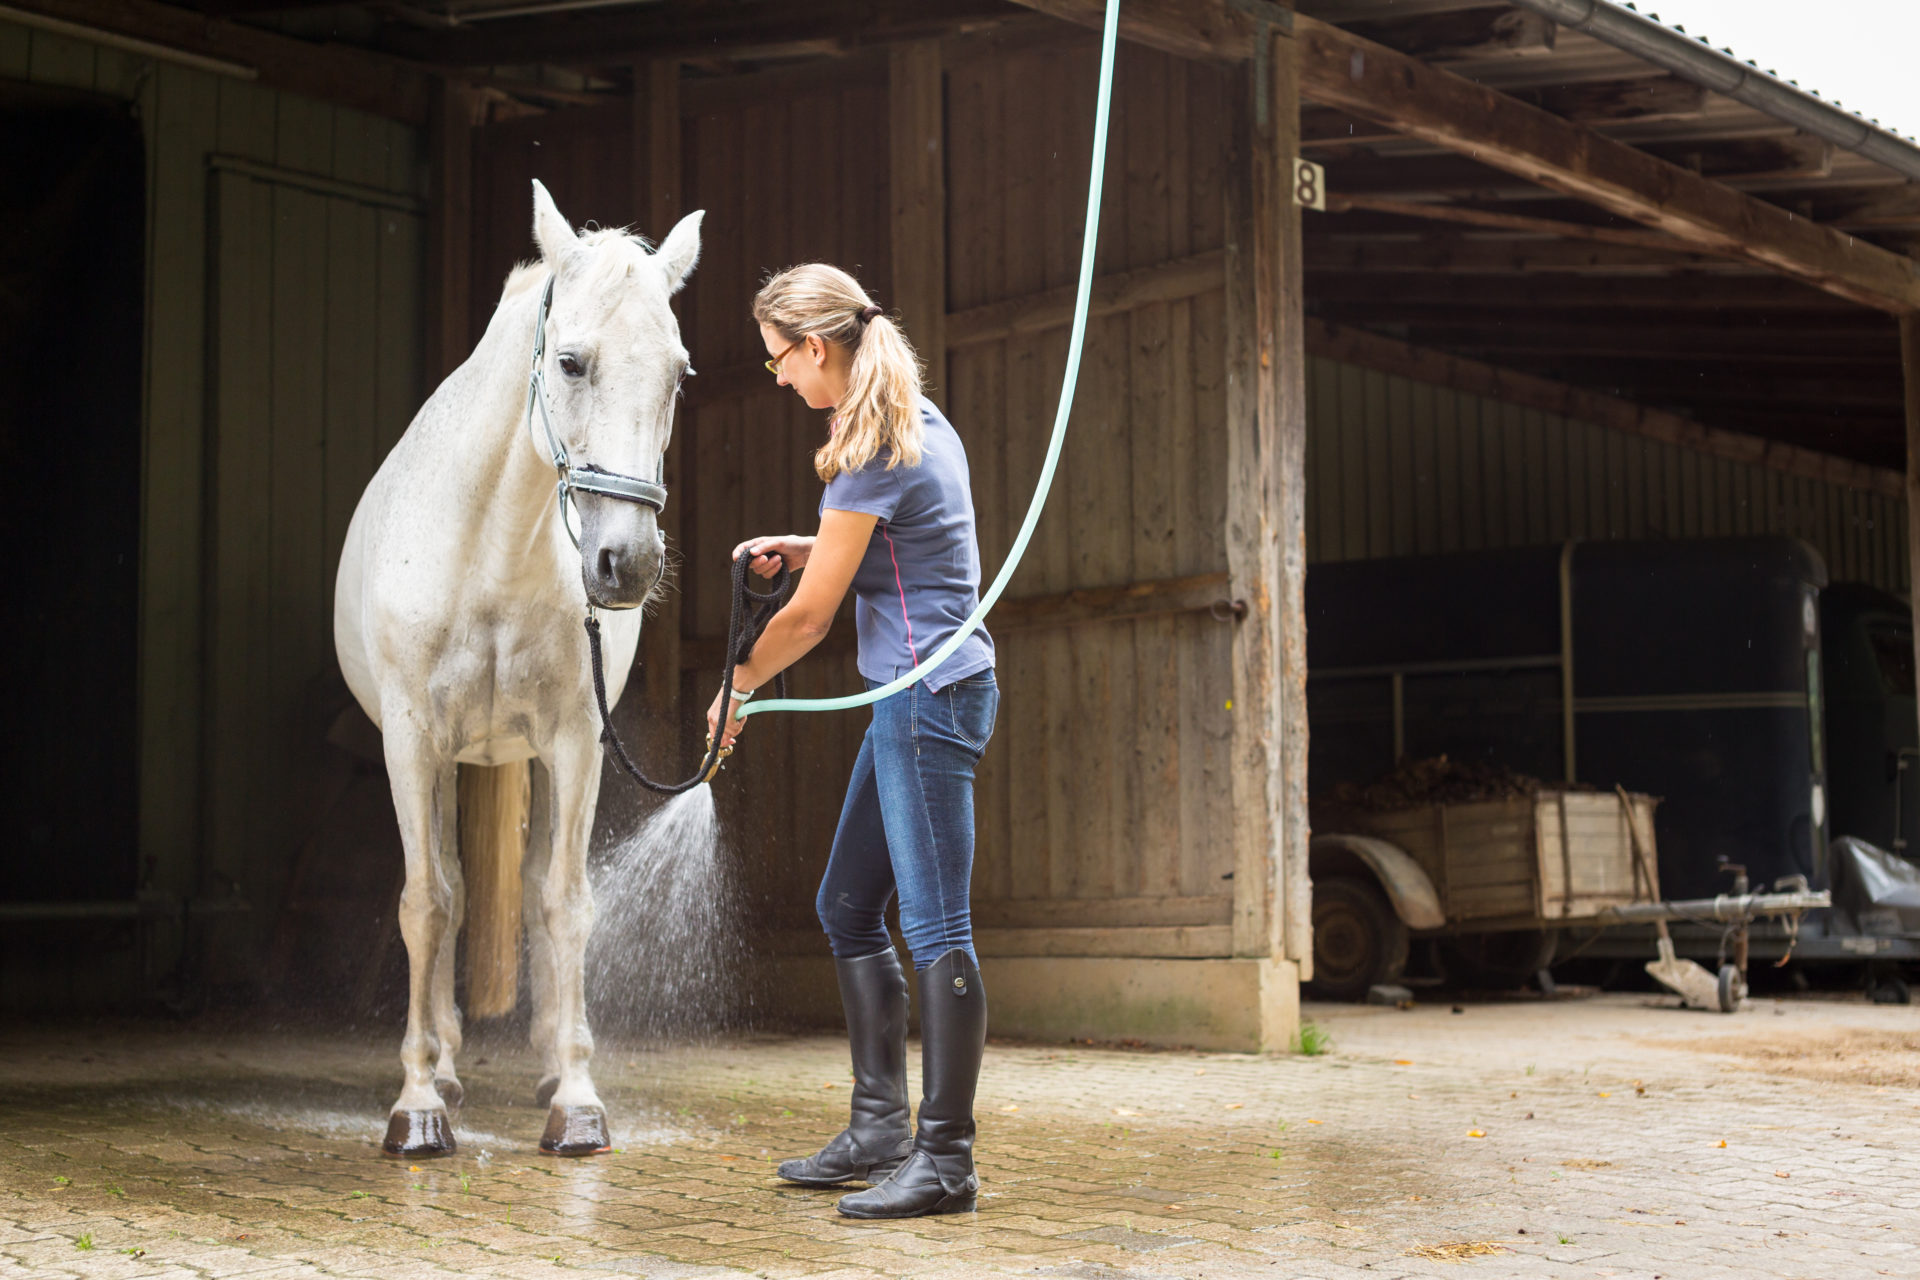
[1603, 1137]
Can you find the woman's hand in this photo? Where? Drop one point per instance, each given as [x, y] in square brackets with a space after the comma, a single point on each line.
[768, 552]
[734, 723]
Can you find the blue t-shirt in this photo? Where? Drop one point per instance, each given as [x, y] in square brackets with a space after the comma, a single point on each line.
[920, 578]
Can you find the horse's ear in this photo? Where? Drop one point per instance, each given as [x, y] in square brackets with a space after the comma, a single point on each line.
[680, 250]
[550, 231]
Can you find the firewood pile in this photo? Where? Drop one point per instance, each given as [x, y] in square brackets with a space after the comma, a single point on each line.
[1415, 784]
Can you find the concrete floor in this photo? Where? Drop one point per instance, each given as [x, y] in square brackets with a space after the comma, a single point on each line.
[1603, 1137]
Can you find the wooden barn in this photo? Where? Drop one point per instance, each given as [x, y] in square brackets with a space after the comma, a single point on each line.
[1376, 277]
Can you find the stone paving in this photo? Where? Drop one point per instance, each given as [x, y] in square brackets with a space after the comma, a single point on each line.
[1604, 1137]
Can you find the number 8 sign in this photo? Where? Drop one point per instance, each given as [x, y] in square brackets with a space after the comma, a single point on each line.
[1309, 185]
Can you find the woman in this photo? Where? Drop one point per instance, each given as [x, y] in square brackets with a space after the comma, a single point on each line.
[896, 525]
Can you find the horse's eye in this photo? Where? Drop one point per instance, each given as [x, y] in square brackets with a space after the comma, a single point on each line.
[571, 366]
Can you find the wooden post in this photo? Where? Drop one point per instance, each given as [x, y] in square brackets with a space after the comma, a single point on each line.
[1910, 366]
[657, 198]
[493, 837]
[454, 110]
[1266, 527]
[919, 198]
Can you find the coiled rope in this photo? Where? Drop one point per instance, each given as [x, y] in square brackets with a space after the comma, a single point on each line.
[748, 617]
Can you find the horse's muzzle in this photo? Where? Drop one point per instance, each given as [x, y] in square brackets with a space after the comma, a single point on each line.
[621, 553]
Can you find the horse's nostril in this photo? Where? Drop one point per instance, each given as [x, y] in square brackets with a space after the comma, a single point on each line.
[609, 567]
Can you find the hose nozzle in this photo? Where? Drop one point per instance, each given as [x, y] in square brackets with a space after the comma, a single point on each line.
[717, 760]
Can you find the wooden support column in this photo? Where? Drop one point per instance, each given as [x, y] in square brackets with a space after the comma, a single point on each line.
[1910, 366]
[916, 111]
[493, 837]
[657, 198]
[453, 112]
[1266, 528]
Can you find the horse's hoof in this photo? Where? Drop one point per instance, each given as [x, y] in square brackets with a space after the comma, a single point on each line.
[418, 1133]
[576, 1131]
[544, 1091]
[450, 1091]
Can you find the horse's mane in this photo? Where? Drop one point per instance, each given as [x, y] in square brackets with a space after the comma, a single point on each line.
[526, 275]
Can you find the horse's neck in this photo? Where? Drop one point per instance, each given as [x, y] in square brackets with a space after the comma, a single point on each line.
[509, 480]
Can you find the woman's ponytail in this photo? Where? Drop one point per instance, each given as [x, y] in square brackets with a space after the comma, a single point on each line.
[881, 407]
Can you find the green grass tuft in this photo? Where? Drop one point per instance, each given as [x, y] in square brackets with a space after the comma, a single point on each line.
[84, 1243]
[1312, 1040]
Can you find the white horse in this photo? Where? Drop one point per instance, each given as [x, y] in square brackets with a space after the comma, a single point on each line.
[457, 619]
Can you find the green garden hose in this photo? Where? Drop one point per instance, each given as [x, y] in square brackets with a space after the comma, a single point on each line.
[1082, 296]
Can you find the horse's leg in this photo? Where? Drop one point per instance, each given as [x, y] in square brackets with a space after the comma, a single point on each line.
[533, 919]
[446, 1013]
[576, 1121]
[422, 785]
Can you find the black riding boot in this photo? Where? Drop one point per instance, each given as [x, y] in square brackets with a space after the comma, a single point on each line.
[938, 1176]
[873, 990]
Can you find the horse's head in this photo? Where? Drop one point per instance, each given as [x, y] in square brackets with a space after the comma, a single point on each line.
[614, 364]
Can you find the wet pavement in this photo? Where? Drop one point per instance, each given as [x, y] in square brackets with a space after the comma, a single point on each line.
[1600, 1137]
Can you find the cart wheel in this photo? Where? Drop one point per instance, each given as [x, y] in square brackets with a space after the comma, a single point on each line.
[1358, 941]
[1733, 988]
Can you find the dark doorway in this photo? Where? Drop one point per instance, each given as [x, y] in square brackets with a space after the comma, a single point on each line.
[72, 283]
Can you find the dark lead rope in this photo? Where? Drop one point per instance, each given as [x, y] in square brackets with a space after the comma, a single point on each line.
[751, 612]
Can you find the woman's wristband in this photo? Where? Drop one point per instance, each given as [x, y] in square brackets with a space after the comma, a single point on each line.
[741, 695]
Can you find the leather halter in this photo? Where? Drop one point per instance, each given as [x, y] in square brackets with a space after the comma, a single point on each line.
[589, 478]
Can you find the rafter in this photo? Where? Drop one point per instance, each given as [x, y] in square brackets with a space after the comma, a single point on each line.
[1342, 70]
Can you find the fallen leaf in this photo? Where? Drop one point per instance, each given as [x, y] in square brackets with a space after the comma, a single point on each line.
[1235, 1106]
[1122, 1111]
[1476, 1133]
[1403, 1062]
[1011, 1107]
[1606, 1095]
[1781, 1173]
[827, 1085]
[1200, 1071]
[1587, 1164]
[1316, 1122]
[1723, 1142]
[413, 1168]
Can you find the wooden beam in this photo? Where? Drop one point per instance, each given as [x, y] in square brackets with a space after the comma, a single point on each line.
[1265, 526]
[1339, 69]
[371, 82]
[1088, 606]
[1114, 293]
[1343, 71]
[1471, 217]
[917, 180]
[1197, 594]
[1498, 31]
[1388, 355]
[1690, 293]
[658, 177]
[744, 30]
[1209, 29]
[1910, 370]
[1640, 100]
[1327, 251]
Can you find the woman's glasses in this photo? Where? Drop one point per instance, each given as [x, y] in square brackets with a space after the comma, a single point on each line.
[773, 365]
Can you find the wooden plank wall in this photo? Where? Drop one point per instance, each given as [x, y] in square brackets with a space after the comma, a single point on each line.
[189, 116]
[1397, 467]
[316, 329]
[1103, 797]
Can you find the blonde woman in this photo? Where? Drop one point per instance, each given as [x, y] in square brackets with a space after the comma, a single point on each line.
[897, 527]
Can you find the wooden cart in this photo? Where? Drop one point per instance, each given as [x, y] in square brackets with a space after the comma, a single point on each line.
[1498, 880]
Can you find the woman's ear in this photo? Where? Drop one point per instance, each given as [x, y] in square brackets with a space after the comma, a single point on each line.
[817, 350]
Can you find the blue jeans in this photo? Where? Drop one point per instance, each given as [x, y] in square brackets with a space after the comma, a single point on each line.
[907, 824]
